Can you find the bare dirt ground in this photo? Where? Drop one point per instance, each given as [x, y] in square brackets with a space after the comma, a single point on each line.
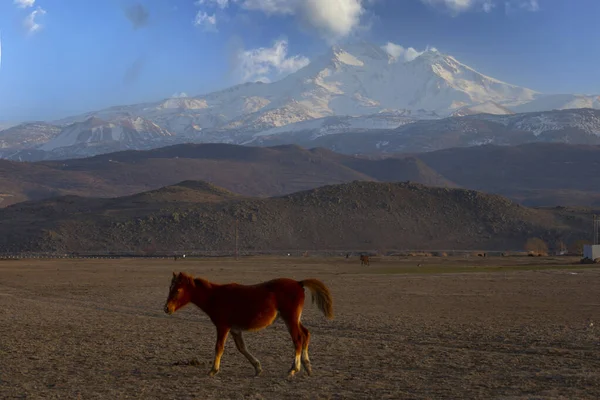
[89, 329]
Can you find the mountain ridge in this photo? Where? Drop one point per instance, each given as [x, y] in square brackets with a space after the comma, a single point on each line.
[537, 174]
[359, 84]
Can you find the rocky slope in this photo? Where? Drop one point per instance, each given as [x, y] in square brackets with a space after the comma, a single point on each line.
[358, 215]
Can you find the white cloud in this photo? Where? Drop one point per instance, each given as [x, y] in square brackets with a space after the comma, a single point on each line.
[205, 21]
[455, 6]
[336, 18]
[30, 22]
[222, 4]
[331, 18]
[487, 6]
[401, 53]
[527, 5]
[458, 6]
[531, 5]
[24, 3]
[266, 63]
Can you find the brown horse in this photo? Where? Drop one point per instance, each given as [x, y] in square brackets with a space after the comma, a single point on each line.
[364, 260]
[235, 308]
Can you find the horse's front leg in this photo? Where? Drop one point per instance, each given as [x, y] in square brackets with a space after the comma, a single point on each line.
[222, 332]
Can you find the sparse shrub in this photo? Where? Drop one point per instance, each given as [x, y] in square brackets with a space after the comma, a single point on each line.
[175, 216]
[536, 247]
[577, 247]
[52, 235]
[419, 254]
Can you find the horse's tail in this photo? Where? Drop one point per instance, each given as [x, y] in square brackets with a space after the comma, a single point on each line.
[321, 295]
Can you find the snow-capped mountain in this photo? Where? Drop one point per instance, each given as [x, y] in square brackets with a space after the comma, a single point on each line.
[129, 132]
[566, 126]
[350, 88]
[353, 80]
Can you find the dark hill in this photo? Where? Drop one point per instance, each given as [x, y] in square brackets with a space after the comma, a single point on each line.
[357, 215]
[183, 192]
[250, 171]
[534, 174]
[32, 181]
[539, 174]
[398, 170]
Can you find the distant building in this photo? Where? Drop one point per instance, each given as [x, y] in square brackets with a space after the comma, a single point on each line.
[591, 251]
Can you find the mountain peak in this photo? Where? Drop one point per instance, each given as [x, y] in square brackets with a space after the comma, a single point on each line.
[434, 56]
[360, 50]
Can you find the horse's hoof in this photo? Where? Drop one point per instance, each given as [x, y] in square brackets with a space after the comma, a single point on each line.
[292, 373]
[257, 372]
[213, 372]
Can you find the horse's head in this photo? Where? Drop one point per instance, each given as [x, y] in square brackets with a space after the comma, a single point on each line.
[180, 292]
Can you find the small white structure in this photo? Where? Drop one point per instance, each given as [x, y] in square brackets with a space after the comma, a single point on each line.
[591, 251]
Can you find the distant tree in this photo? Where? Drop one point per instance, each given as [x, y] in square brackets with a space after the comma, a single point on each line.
[577, 246]
[536, 245]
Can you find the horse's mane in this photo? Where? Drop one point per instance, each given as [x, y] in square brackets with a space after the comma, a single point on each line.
[200, 282]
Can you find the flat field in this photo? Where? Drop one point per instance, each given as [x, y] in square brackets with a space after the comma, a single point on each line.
[453, 328]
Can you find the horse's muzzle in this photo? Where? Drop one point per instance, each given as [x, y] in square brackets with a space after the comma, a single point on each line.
[167, 310]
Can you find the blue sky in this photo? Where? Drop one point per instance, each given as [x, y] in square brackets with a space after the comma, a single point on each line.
[63, 57]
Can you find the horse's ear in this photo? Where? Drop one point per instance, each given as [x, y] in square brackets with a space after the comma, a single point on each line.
[174, 274]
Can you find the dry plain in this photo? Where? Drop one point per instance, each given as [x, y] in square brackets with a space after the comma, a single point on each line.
[454, 328]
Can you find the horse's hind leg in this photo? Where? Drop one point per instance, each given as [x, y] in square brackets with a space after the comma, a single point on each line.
[292, 321]
[241, 346]
[297, 338]
[305, 342]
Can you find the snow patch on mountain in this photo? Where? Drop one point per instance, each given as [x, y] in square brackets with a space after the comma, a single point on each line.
[558, 102]
[585, 120]
[183, 103]
[95, 131]
[28, 135]
[341, 124]
[489, 107]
